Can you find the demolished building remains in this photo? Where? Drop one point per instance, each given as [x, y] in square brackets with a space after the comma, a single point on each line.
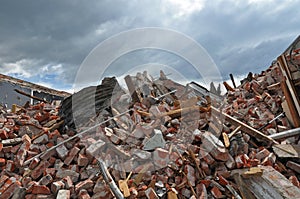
[158, 139]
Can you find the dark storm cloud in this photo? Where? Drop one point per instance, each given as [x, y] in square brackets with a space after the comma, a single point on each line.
[48, 40]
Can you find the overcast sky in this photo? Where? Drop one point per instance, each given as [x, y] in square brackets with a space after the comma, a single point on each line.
[46, 41]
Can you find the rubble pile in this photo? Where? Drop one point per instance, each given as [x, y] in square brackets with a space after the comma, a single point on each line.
[160, 140]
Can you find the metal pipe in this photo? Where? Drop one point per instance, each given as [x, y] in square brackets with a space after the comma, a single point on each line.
[286, 134]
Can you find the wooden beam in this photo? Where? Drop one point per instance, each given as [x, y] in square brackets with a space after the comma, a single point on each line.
[30, 96]
[291, 106]
[246, 128]
[228, 88]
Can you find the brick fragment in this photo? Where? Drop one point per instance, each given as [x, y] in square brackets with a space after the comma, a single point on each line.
[72, 153]
[43, 139]
[34, 163]
[64, 173]
[82, 160]
[87, 184]
[41, 189]
[2, 162]
[45, 180]
[68, 182]
[62, 151]
[262, 154]
[214, 146]
[3, 178]
[7, 183]
[19, 193]
[161, 157]
[216, 192]
[63, 194]
[95, 148]
[3, 134]
[56, 186]
[295, 181]
[150, 193]
[83, 194]
[37, 172]
[11, 190]
[10, 165]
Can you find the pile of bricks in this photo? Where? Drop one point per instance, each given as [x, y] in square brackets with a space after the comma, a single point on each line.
[168, 145]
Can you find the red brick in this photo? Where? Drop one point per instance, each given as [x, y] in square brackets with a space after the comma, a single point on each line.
[1, 147]
[87, 184]
[83, 194]
[68, 182]
[262, 154]
[26, 181]
[7, 183]
[56, 186]
[150, 193]
[41, 189]
[82, 160]
[34, 163]
[37, 172]
[3, 134]
[11, 190]
[2, 162]
[10, 165]
[216, 192]
[72, 153]
[294, 180]
[50, 171]
[45, 180]
[205, 168]
[3, 178]
[161, 157]
[7, 149]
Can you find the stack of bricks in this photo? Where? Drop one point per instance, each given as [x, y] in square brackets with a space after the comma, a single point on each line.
[153, 150]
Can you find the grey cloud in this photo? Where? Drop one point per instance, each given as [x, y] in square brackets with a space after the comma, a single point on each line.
[240, 37]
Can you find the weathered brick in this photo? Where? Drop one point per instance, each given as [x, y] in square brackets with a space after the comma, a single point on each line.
[3, 134]
[62, 151]
[56, 186]
[214, 146]
[216, 192]
[45, 180]
[2, 162]
[87, 184]
[150, 194]
[161, 157]
[11, 190]
[7, 183]
[41, 189]
[64, 173]
[83, 194]
[72, 153]
[37, 172]
[43, 139]
[63, 194]
[82, 160]
[10, 165]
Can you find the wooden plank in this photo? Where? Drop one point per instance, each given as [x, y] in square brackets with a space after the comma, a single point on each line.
[271, 184]
[291, 106]
[246, 128]
[290, 93]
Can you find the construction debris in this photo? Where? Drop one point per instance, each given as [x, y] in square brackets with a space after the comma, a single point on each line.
[159, 139]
